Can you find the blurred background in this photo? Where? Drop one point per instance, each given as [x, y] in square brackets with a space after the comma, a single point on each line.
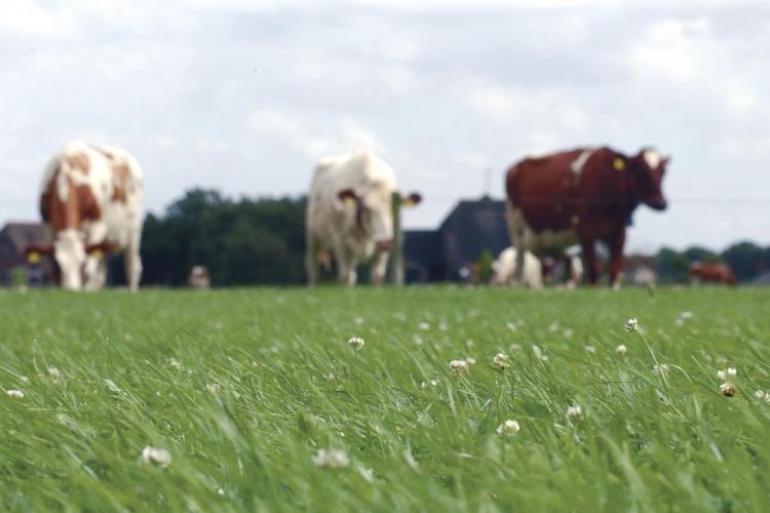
[227, 104]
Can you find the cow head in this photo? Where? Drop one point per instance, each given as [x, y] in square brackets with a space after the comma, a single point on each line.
[373, 212]
[646, 171]
[73, 262]
[70, 255]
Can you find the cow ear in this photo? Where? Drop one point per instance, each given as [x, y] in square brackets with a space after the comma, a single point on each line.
[413, 199]
[347, 196]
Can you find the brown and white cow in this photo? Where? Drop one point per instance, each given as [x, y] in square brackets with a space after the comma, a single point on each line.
[350, 215]
[709, 272]
[581, 196]
[92, 201]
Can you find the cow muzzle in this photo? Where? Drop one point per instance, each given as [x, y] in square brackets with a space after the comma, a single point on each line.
[659, 204]
[384, 245]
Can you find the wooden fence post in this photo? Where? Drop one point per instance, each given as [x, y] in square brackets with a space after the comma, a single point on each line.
[396, 255]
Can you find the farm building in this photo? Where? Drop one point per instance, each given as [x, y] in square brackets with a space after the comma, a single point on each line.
[472, 227]
[14, 267]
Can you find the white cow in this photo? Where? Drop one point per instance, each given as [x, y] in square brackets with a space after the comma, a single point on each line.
[349, 215]
[505, 269]
[92, 200]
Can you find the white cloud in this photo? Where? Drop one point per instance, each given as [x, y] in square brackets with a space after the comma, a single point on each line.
[27, 18]
[446, 5]
[509, 105]
[687, 54]
[313, 138]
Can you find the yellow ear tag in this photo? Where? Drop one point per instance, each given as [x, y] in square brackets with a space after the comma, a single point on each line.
[349, 202]
[98, 254]
[618, 164]
[33, 257]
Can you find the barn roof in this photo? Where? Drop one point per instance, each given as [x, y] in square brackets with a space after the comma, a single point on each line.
[472, 227]
[423, 246]
[22, 234]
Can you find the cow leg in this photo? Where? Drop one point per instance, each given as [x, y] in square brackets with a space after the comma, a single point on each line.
[346, 267]
[380, 267]
[96, 272]
[311, 261]
[533, 273]
[575, 271]
[589, 252]
[521, 239]
[616, 244]
[133, 262]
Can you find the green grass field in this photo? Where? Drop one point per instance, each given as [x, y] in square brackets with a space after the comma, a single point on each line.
[243, 388]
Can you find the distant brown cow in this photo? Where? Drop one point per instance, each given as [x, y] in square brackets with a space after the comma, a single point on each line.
[711, 273]
[581, 196]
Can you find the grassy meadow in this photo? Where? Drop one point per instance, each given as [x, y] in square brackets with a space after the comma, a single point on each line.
[261, 404]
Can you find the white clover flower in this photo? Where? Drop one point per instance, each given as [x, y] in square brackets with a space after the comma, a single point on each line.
[590, 349]
[156, 456]
[433, 382]
[459, 366]
[508, 428]
[759, 394]
[539, 354]
[686, 315]
[15, 394]
[332, 458]
[621, 349]
[424, 326]
[417, 340]
[632, 324]
[515, 348]
[174, 363]
[501, 361]
[726, 374]
[574, 412]
[54, 373]
[661, 369]
[728, 389]
[567, 333]
[213, 389]
[470, 360]
[356, 343]
[511, 326]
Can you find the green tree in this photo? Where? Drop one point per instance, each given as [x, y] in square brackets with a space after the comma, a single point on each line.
[701, 254]
[671, 266]
[242, 242]
[485, 266]
[746, 260]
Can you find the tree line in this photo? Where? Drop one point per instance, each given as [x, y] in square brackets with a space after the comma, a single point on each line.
[249, 241]
[241, 241]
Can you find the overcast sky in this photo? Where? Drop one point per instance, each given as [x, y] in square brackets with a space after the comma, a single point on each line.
[244, 96]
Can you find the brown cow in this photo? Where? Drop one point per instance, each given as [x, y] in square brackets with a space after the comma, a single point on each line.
[711, 273]
[91, 200]
[581, 196]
